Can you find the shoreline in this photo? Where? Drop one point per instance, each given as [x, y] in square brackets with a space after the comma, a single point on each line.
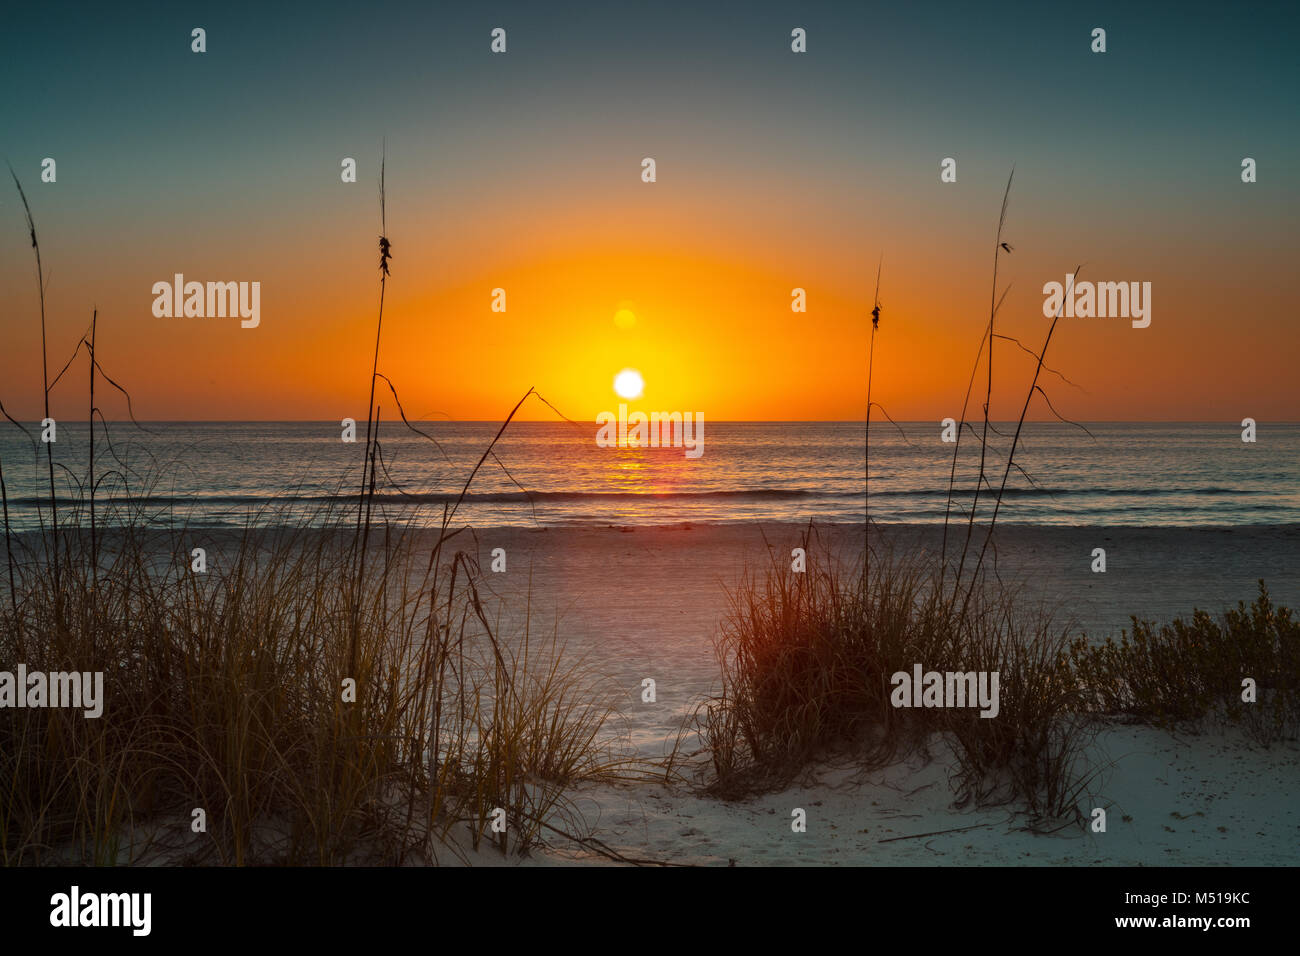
[1154, 572]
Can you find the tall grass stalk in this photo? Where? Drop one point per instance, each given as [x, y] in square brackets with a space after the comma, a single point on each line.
[9, 544]
[866, 455]
[45, 372]
[90, 445]
[988, 393]
[1015, 442]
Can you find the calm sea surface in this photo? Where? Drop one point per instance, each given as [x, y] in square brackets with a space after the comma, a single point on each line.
[548, 474]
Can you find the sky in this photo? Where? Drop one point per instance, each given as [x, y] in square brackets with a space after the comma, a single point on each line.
[775, 170]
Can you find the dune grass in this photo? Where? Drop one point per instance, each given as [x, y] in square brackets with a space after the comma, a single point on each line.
[807, 659]
[1186, 671]
[224, 691]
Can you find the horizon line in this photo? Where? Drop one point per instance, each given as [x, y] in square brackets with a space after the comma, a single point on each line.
[720, 421]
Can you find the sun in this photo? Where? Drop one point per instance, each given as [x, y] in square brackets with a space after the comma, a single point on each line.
[629, 384]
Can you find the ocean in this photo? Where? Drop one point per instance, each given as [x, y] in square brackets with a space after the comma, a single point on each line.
[554, 474]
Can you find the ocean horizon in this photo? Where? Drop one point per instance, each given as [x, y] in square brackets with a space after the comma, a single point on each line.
[546, 474]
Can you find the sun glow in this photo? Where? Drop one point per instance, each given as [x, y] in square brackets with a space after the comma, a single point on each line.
[629, 384]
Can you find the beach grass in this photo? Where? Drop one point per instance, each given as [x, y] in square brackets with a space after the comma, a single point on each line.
[807, 660]
[225, 692]
[1189, 670]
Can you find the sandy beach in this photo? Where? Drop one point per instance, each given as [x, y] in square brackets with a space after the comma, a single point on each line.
[1211, 799]
[645, 602]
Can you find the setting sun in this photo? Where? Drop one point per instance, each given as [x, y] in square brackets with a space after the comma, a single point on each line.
[629, 384]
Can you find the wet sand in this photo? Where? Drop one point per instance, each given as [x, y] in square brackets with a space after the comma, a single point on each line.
[646, 602]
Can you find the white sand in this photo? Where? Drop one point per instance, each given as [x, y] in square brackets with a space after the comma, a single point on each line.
[1210, 800]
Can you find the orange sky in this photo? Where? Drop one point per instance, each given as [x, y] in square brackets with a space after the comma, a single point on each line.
[708, 277]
